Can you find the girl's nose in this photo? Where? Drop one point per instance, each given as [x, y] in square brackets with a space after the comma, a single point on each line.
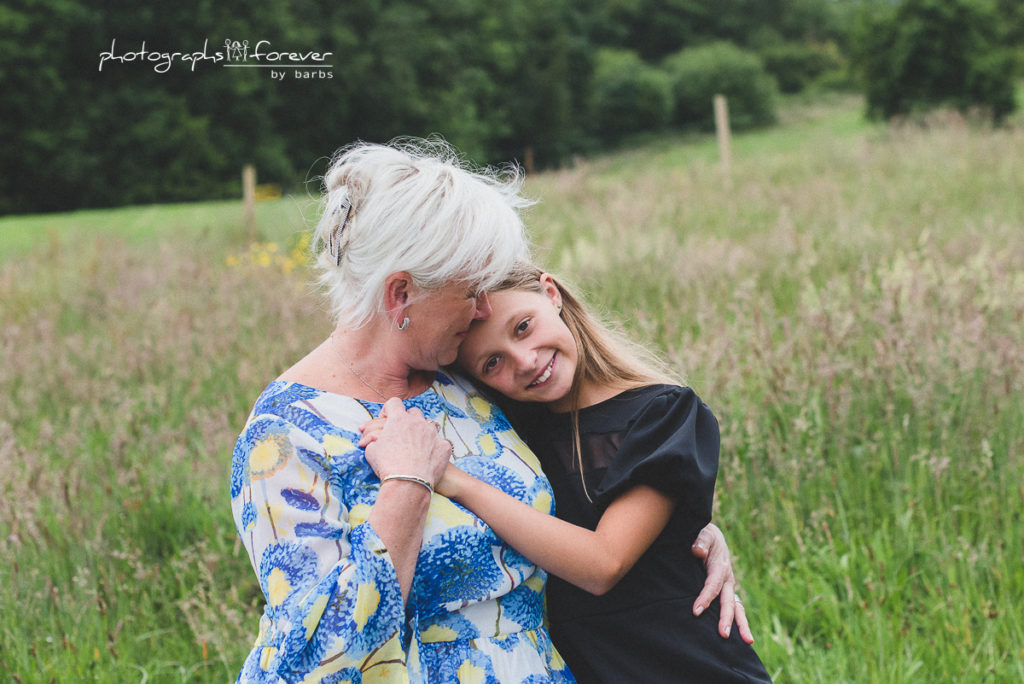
[524, 358]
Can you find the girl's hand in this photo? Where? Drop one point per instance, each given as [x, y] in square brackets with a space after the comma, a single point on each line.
[371, 430]
[450, 482]
[710, 546]
[406, 444]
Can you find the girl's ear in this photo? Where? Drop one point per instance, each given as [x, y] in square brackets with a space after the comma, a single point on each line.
[547, 282]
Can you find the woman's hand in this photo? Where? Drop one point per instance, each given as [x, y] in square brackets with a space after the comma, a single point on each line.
[401, 442]
[711, 547]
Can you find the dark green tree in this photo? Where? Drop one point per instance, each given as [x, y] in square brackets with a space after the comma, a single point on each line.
[628, 95]
[926, 54]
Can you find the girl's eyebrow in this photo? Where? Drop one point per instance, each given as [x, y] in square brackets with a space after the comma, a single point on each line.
[509, 321]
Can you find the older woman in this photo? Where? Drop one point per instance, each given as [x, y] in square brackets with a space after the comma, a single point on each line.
[377, 579]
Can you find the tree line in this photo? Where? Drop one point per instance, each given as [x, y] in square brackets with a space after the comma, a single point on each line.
[111, 102]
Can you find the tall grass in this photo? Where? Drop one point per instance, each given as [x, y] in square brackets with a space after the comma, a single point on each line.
[850, 302]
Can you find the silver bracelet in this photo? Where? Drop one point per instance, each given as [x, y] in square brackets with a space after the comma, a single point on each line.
[410, 478]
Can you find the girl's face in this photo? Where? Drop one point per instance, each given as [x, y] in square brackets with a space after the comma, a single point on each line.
[524, 349]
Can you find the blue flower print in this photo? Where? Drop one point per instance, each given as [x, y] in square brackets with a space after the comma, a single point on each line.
[261, 450]
[248, 516]
[456, 565]
[322, 529]
[366, 614]
[279, 394]
[522, 605]
[251, 670]
[494, 474]
[239, 466]
[286, 568]
[349, 675]
[456, 661]
[296, 498]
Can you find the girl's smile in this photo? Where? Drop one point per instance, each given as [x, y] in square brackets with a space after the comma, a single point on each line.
[524, 349]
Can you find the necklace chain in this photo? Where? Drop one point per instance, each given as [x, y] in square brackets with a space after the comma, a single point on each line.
[359, 377]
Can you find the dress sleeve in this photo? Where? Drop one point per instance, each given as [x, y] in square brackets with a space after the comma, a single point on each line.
[333, 602]
[672, 445]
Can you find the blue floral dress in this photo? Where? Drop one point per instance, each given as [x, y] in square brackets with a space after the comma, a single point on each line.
[301, 492]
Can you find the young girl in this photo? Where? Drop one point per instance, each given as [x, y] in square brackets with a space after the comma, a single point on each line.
[625, 451]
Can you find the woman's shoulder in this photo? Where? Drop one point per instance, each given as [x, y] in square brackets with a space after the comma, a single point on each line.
[308, 408]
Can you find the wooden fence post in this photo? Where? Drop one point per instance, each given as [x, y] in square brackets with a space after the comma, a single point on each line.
[249, 199]
[528, 160]
[722, 128]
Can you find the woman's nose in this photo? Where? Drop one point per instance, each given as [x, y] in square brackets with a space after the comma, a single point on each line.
[483, 307]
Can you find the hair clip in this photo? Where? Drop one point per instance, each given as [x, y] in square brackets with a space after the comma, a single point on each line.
[334, 237]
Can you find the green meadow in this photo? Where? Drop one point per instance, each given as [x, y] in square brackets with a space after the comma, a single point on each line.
[849, 299]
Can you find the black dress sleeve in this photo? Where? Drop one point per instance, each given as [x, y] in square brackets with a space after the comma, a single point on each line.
[672, 445]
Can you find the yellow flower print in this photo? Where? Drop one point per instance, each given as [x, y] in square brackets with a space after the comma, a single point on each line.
[470, 674]
[487, 444]
[438, 633]
[278, 587]
[479, 408]
[335, 445]
[358, 514]
[269, 455]
[535, 583]
[367, 600]
[312, 619]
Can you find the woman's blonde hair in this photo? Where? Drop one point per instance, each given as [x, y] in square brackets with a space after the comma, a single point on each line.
[413, 205]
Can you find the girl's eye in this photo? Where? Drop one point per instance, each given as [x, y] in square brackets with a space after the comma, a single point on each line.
[523, 326]
[490, 363]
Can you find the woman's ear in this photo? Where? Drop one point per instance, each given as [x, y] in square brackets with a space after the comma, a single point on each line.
[397, 287]
[550, 287]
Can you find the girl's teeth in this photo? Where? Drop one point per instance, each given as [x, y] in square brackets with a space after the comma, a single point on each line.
[543, 377]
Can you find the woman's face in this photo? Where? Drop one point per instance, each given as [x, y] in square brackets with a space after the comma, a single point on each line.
[524, 349]
[440, 321]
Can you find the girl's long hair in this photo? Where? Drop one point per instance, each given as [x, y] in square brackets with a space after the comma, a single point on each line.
[606, 357]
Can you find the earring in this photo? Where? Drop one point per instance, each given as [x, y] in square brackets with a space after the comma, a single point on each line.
[559, 307]
[404, 324]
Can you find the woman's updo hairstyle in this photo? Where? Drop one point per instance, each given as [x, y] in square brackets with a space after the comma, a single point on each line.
[413, 205]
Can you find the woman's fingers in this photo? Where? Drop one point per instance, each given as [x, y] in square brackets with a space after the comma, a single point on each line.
[405, 442]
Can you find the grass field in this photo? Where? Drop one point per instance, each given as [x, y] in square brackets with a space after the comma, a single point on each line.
[850, 301]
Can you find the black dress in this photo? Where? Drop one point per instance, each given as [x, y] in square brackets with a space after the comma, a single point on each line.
[643, 630]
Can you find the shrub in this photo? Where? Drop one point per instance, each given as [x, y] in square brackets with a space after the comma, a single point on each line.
[628, 95]
[930, 54]
[797, 65]
[698, 74]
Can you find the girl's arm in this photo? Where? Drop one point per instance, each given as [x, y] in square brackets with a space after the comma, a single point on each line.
[595, 560]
